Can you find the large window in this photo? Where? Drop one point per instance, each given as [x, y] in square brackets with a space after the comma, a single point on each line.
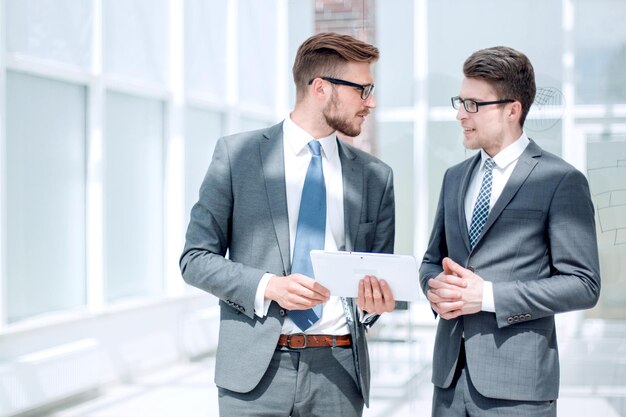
[113, 109]
[134, 94]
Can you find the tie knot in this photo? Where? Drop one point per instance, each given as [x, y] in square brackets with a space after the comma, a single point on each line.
[315, 147]
[489, 164]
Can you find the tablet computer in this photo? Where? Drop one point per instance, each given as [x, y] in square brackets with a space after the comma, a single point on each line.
[341, 272]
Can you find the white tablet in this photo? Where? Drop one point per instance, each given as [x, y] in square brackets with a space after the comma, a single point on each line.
[340, 272]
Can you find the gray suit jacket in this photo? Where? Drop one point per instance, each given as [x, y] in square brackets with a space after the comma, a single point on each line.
[242, 209]
[539, 249]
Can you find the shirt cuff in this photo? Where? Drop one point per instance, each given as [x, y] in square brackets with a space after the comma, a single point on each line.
[488, 301]
[365, 318]
[262, 305]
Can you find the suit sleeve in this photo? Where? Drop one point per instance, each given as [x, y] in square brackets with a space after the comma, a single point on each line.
[203, 263]
[437, 246]
[572, 253]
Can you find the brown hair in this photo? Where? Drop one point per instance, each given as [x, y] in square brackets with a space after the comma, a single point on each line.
[509, 72]
[325, 54]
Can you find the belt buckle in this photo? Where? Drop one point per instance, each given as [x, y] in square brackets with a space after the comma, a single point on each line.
[292, 336]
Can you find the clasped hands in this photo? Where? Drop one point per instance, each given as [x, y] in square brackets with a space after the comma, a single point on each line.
[455, 292]
[299, 292]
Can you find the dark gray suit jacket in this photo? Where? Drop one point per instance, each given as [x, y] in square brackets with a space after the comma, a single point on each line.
[242, 209]
[539, 249]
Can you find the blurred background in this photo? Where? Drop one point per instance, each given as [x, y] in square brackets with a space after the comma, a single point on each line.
[109, 111]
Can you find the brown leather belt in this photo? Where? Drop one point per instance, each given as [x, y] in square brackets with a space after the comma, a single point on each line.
[302, 341]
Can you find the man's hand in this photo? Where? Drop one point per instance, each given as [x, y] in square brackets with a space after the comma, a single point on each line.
[296, 292]
[375, 296]
[456, 291]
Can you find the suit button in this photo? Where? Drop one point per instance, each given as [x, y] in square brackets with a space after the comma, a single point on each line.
[510, 320]
[527, 317]
[282, 312]
[515, 319]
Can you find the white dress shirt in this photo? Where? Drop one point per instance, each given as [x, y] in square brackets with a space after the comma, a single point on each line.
[297, 157]
[505, 162]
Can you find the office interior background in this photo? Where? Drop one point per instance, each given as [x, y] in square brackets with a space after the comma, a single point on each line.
[109, 110]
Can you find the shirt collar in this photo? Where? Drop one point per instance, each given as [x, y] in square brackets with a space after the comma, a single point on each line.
[509, 154]
[297, 139]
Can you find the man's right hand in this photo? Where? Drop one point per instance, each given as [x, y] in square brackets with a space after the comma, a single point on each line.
[445, 296]
[296, 292]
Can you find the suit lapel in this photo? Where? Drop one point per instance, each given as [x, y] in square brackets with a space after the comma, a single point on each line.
[524, 167]
[467, 176]
[352, 172]
[273, 162]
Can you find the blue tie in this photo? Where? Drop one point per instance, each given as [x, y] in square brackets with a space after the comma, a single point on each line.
[481, 209]
[310, 231]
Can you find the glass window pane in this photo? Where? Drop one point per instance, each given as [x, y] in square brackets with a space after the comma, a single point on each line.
[394, 38]
[550, 139]
[58, 30]
[606, 170]
[600, 49]
[301, 22]
[396, 149]
[202, 129]
[133, 194]
[45, 205]
[205, 46]
[445, 149]
[544, 121]
[257, 52]
[136, 39]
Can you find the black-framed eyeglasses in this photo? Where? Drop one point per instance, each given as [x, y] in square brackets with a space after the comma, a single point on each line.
[471, 106]
[366, 89]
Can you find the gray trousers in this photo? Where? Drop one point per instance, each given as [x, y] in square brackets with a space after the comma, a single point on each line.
[462, 399]
[312, 382]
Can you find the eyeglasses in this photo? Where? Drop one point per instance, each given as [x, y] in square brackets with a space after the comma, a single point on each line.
[366, 89]
[471, 106]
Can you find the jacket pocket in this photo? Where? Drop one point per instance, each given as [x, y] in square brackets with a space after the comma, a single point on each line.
[521, 214]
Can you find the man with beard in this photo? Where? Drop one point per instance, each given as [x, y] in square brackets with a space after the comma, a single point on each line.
[286, 346]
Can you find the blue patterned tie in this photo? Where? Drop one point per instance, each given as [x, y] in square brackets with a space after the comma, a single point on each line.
[310, 231]
[481, 209]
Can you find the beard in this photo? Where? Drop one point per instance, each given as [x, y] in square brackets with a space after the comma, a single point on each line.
[337, 121]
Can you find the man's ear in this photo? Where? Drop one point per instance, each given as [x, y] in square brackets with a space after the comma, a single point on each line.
[515, 112]
[317, 89]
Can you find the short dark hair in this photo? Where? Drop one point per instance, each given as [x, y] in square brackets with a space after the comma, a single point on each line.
[325, 54]
[509, 72]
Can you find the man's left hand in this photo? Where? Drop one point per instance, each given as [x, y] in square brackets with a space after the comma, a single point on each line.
[375, 296]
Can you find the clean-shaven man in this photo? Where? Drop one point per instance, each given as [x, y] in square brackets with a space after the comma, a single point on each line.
[513, 244]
